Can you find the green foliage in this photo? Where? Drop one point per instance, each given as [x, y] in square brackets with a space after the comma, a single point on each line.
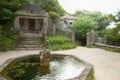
[7, 9]
[91, 75]
[6, 40]
[113, 36]
[101, 20]
[90, 46]
[53, 15]
[51, 5]
[116, 17]
[60, 42]
[5, 44]
[68, 46]
[81, 26]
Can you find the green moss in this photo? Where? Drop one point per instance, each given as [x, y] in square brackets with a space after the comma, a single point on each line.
[91, 75]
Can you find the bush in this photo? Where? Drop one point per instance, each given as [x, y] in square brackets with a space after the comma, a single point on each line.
[5, 44]
[6, 40]
[68, 46]
[60, 42]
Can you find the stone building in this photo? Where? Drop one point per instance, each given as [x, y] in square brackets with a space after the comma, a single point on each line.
[68, 20]
[66, 23]
[32, 23]
[31, 19]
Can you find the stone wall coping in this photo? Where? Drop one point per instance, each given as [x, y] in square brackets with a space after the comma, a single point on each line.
[118, 47]
[108, 47]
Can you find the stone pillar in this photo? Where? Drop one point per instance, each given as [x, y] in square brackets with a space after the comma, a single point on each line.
[17, 24]
[45, 25]
[91, 37]
[44, 57]
[73, 36]
[88, 38]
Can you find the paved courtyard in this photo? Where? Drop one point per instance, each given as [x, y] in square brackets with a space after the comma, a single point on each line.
[106, 63]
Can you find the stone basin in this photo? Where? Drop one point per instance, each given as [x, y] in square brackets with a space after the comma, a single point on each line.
[62, 67]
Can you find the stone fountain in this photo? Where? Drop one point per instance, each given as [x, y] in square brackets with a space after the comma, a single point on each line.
[41, 67]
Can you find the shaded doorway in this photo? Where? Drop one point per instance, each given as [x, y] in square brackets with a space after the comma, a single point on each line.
[32, 24]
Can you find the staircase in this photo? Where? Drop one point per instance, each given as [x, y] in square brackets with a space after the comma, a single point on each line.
[30, 41]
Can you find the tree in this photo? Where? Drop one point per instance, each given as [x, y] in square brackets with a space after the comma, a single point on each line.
[101, 20]
[51, 5]
[81, 26]
[113, 35]
[7, 9]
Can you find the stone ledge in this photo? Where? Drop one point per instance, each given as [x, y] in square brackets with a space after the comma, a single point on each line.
[82, 76]
[109, 47]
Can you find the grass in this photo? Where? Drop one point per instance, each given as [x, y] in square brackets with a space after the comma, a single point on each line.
[90, 46]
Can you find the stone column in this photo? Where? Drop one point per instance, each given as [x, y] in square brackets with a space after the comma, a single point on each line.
[17, 24]
[73, 36]
[92, 37]
[88, 38]
[45, 25]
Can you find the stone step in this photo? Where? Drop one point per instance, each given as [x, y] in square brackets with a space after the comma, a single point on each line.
[31, 39]
[30, 43]
[29, 46]
[27, 43]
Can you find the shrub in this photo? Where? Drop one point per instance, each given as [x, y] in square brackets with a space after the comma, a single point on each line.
[68, 46]
[60, 42]
[6, 40]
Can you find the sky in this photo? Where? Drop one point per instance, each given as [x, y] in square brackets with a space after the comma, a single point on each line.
[105, 6]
